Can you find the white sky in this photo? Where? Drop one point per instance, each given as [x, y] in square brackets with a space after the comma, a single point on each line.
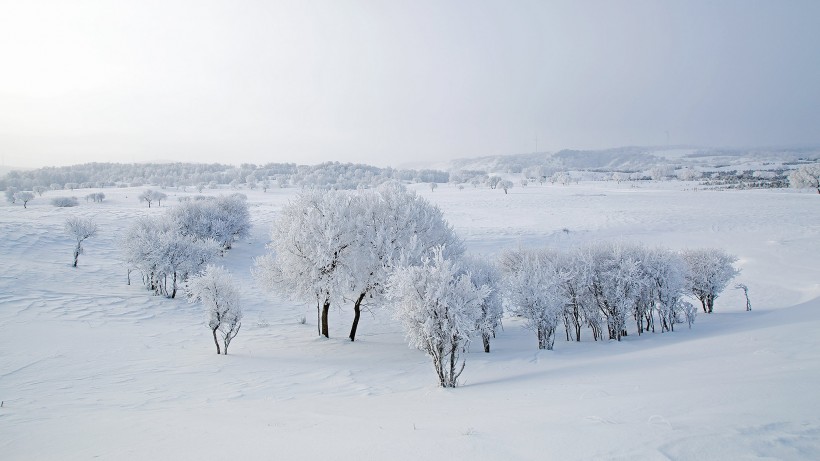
[392, 82]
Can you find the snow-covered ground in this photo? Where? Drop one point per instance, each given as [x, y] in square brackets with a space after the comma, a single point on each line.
[93, 368]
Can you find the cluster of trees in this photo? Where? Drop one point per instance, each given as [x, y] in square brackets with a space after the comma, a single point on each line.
[384, 247]
[806, 176]
[333, 247]
[13, 196]
[389, 247]
[168, 248]
[150, 196]
[602, 285]
[96, 197]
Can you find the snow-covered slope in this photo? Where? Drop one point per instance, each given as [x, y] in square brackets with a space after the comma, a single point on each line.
[93, 368]
[640, 159]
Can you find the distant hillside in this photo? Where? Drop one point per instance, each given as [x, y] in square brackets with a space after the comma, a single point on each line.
[630, 159]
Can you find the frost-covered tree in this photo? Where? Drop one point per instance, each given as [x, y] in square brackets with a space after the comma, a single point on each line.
[688, 174]
[96, 197]
[665, 272]
[741, 286]
[493, 181]
[709, 271]
[24, 197]
[10, 192]
[532, 291]
[661, 172]
[147, 196]
[394, 227]
[159, 197]
[807, 176]
[216, 289]
[309, 249]
[340, 246]
[506, 185]
[578, 307]
[80, 229]
[39, 190]
[485, 273]
[433, 186]
[437, 304]
[614, 283]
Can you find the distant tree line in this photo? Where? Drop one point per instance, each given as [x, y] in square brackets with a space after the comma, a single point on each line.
[331, 175]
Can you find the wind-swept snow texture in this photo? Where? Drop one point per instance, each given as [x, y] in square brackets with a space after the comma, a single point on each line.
[91, 367]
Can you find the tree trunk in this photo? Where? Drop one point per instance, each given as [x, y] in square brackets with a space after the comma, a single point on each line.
[76, 254]
[542, 339]
[486, 338]
[230, 336]
[325, 309]
[174, 293]
[216, 341]
[357, 310]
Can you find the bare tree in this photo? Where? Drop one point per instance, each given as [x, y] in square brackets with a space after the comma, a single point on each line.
[147, 196]
[80, 229]
[159, 197]
[741, 286]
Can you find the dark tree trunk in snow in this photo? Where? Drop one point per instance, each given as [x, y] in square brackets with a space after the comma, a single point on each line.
[174, 291]
[325, 309]
[357, 311]
[485, 337]
[216, 341]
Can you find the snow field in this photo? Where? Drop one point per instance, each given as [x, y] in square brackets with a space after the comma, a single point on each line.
[91, 367]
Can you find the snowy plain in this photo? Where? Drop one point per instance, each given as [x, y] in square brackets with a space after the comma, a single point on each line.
[91, 367]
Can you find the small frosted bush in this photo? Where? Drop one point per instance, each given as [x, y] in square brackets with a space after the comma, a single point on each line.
[64, 202]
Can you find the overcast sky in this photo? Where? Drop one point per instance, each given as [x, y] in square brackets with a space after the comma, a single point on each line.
[392, 82]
